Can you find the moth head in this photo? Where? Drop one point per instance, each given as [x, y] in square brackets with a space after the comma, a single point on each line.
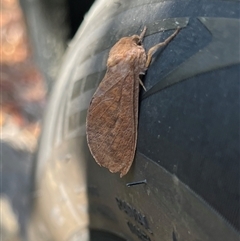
[136, 39]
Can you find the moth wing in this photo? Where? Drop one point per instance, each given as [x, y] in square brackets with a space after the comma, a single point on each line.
[112, 121]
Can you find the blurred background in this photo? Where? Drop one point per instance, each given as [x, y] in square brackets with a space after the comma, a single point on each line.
[34, 37]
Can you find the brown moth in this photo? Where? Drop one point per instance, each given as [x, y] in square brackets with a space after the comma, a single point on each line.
[112, 118]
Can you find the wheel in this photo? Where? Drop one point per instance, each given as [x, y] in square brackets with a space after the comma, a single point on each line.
[188, 134]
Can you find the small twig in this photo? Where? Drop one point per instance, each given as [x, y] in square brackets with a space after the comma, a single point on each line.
[136, 183]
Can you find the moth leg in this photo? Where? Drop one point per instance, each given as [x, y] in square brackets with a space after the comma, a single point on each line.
[157, 46]
[141, 83]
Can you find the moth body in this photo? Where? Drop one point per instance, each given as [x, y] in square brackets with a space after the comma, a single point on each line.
[112, 117]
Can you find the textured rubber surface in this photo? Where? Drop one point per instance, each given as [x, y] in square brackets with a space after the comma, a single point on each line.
[103, 236]
[188, 142]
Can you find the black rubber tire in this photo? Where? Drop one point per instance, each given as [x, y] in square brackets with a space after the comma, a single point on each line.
[188, 138]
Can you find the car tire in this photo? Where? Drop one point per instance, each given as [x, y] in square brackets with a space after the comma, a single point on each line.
[188, 134]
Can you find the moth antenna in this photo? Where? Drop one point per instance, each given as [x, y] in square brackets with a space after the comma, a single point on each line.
[143, 33]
